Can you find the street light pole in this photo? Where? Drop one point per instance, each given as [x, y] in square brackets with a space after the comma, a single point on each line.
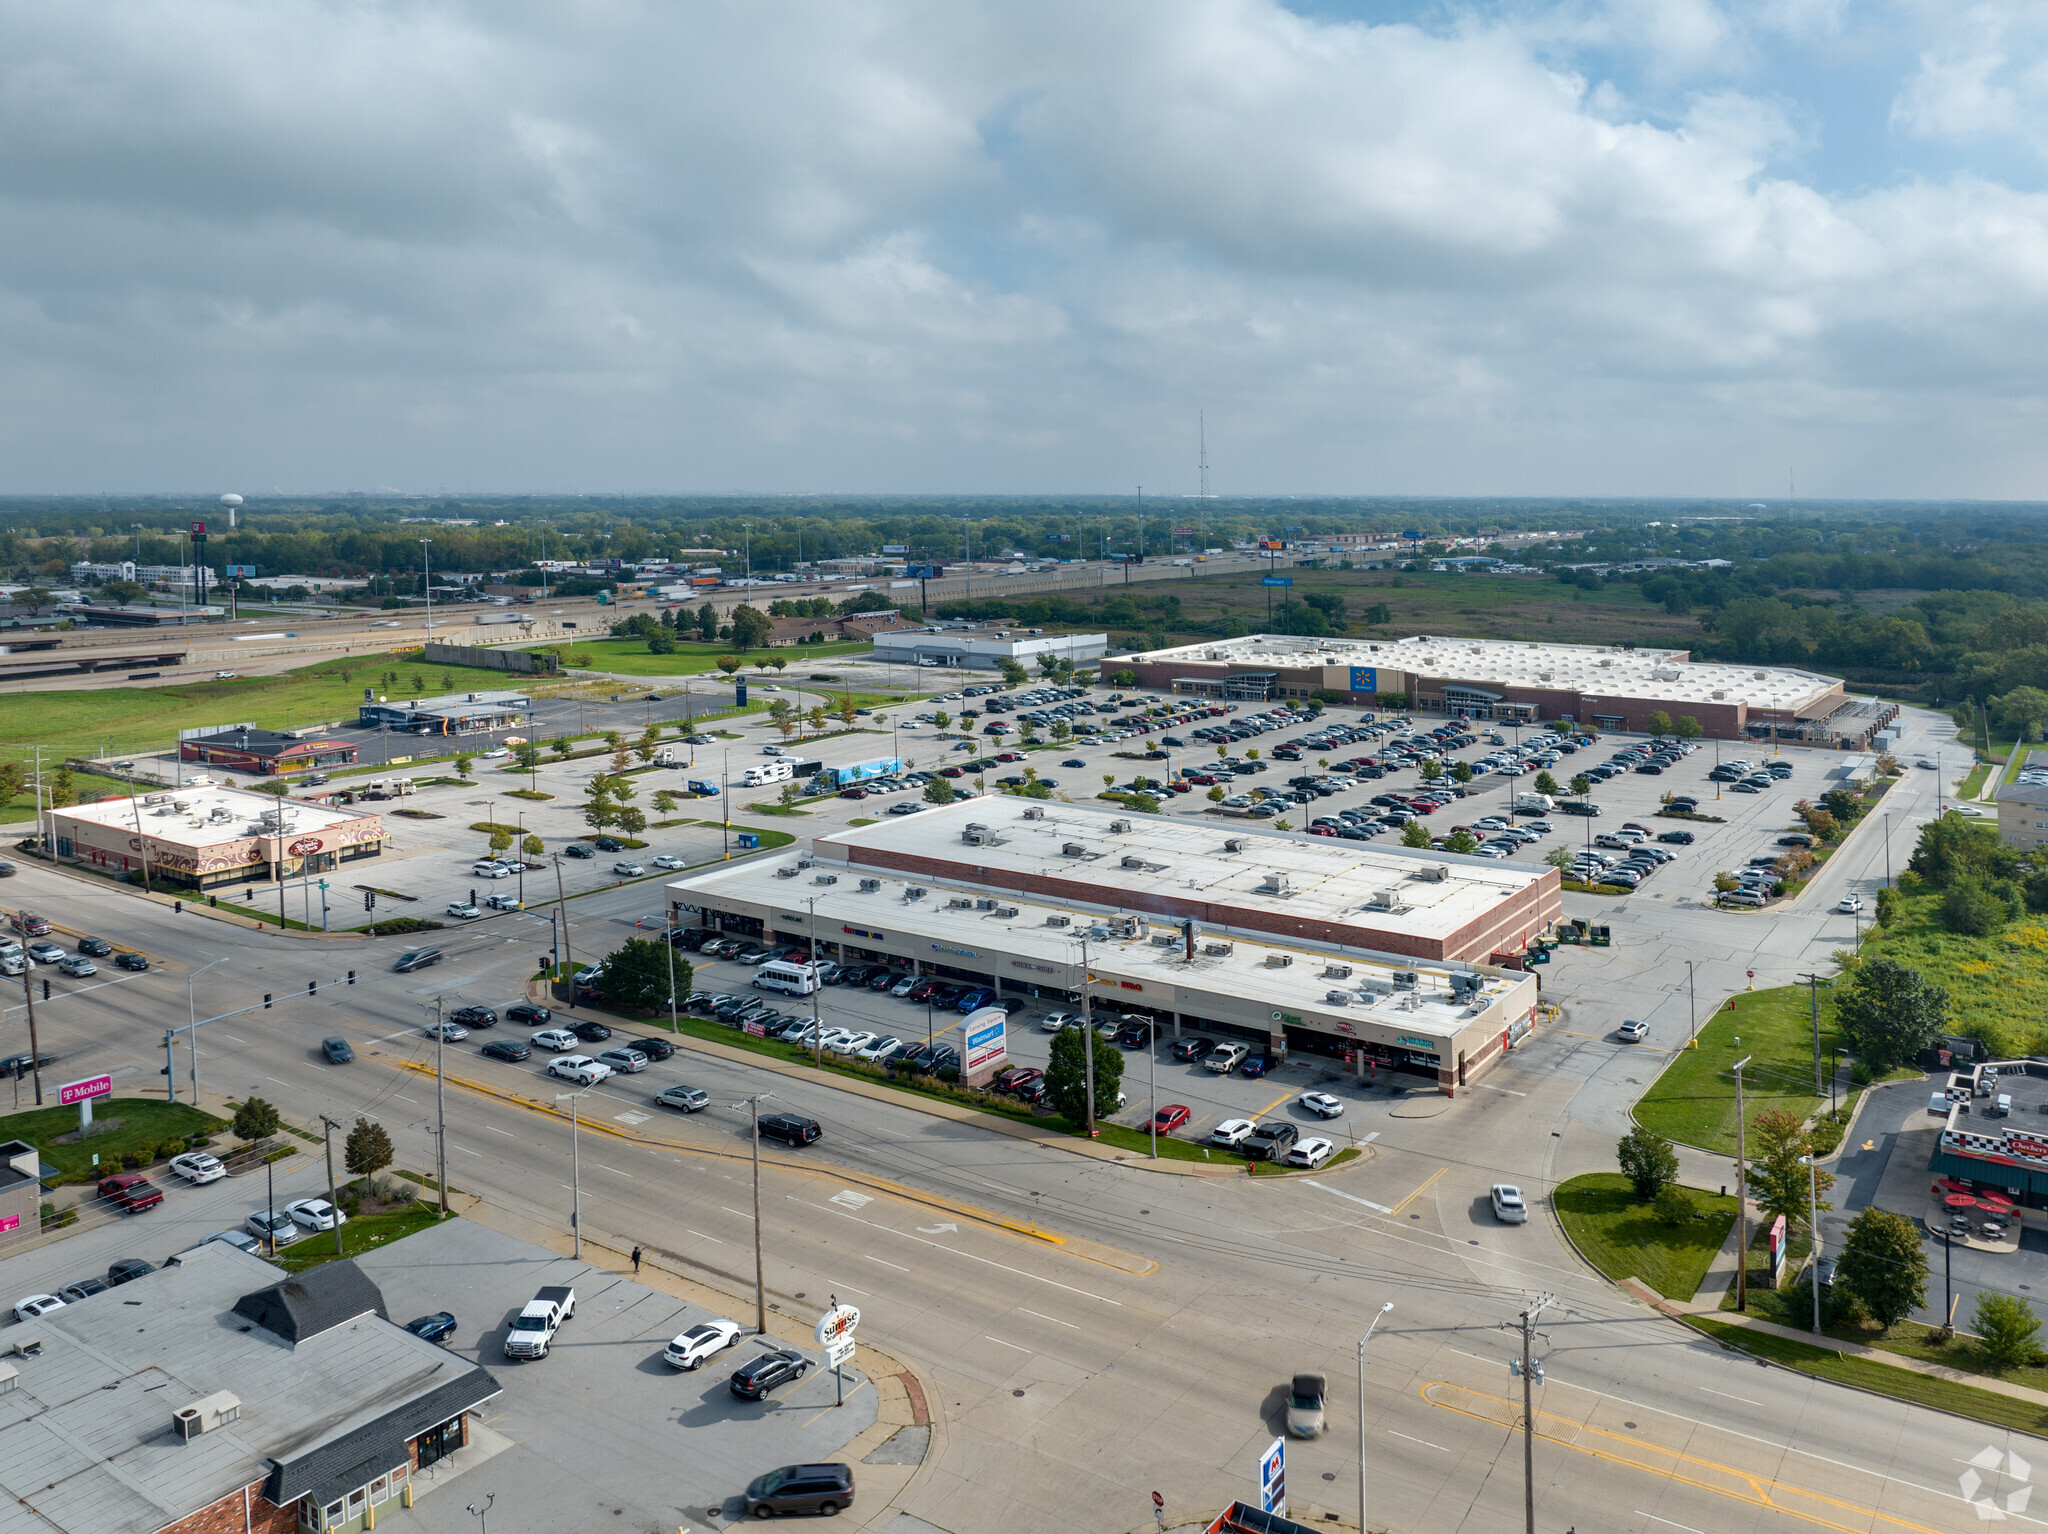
[1362, 1525]
[1692, 1007]
[575, 1100]
[1741, 1194]
[192, 1032]
[1087, 1039]
[1813, 1229]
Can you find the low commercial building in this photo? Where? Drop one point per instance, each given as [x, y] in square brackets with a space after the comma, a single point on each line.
[266, 753]
[205, 838]
[1980, 1144]
[1359, 955]
[215, 1394]
[2023, 815]
[1611, 688]
[473, 713]
[982, 649]
[21, 1191]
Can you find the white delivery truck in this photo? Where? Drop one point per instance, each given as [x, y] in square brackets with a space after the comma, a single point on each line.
[1534, 804]
[790, 979]
[769, 772]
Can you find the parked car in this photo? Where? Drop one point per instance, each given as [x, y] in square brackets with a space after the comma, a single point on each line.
[82, 1289]
[821, 1489]
[1170, 1118]
[1270, 1142]
[241, 1240]
[438, 1327]
[626, 870]
[755, 1378]
[36, 1305]
[273, 1226]
[689, 1350]
[1322, 1105]
[1232, 1132]
[198, 1167]
[315, 1214]
[577, 850]
[1312, 1152]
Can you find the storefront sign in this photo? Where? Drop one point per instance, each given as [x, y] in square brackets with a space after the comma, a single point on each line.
[965, 953]
[879, 937]
[1130, 985]
[985, 1038]
[1429, 1044]
[1365, 679]
[11, 1222]
[1344, 1025]
[1043, 969]
[1285, 1017]
[304, 846]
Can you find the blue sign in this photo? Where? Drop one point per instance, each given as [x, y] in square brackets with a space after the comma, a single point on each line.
[1276, 580]
[1365, 679]
[1273, 1480]
[235, 571]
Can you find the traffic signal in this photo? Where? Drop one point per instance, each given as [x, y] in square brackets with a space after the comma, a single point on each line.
[311, 987]
[369, 900]
[266, 1001]
[351, 977]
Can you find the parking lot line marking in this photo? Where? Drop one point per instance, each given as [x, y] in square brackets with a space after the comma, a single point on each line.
[1745, 1400]
[1492, 1088]
[1689, 1529]
[702, 1237]
[1056, 1321]
[615, 1171]
[1427, 1183]
[1423, 1441]
[999, 1341]
[1276, 1102]
[897, 1266]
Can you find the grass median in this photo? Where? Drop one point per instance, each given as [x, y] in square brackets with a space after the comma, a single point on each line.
[1625, 1239]
[1693, 1101]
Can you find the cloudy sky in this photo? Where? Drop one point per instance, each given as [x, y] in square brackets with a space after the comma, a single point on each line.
[1642, 247]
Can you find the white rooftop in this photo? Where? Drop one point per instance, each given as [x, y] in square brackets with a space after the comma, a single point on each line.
[209, 817]
[1664, 675]
[1186, 859]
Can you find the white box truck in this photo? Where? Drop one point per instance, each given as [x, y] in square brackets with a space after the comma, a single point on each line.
[1534, 804]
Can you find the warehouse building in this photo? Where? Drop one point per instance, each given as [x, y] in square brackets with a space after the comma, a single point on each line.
[265, 752]
[1609, 688]
[218, 1394]
[982, 649]
[208, 838]
[1362, 955]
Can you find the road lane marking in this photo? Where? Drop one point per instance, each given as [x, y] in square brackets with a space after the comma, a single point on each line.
[494, 1129]
[956, 1251]
[280, 1083]
[1689, 1529]
[1000, 1343]
[897, 1266]
[1056, 1321]
[1382, 1208]
[468, 1152]
[1423, 1441]
[1745, 1400]
[730, 1210]
[1427, 1184]
[702, 1237]
[615, 1171]
[230, 1038]
[404, 1099]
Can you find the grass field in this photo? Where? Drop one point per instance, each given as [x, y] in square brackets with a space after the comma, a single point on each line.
[1693, 1101]
[631, 657]
[144, 1126]
[359, 1235]
[1623, 1239]
[1997, 985]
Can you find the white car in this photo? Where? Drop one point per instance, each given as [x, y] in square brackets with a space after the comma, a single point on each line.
[1232, 1132]
[36, 1305]
[315, 1214]
[197, 1166]
[1929, 763]
[1508, 1207]
[1312, 1152]
[502, 903]
[452, 1033]
[1053, 1022]
[1849, 905]
[552, 1038]
[700, 1342]
[1321, 1104]
[463, 910]
[15, 964]
[490, 871]
[874, 1051]
[849, 1043]
[495, 752]
[669, 860]
[581, 1069]
[1632, 1032]
[272, 1225]
[628, 870]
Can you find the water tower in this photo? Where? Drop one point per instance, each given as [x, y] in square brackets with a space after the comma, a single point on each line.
[233, 503]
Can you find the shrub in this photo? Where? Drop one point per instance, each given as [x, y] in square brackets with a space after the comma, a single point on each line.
[131, 1161]
[2007, 1329]
[170, 1148]
[1648, 1161]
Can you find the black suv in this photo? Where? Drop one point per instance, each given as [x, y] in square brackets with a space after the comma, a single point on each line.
[1269, 1142]
[608, 844]
[653, 1049]
[96, 947]
[822, 1489]
[755, 1378]
[791, 1130]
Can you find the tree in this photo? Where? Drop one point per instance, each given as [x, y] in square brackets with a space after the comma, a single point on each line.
[562, 747]
[1144, 804]
[1545, 783]
[1883, 1266]
[256, 1119]
[1461, 772]
[527, 755]
[661, 644]
[1969, 908]
[1581, 785]
[1415, 834]
[1432, 770]
[750, 627]
[816, 717]
[1685, 727]
[2023, 711]
[63, 789]
[636, 974]
[462, 766]
[1066, 1080]
[1461, 840]
[645, 746]
[1558, 857]
[1216, 795]
[1647, 1161]
[367, 1150]
[846, 708]
[1378, 614]
[533, 847]
[630, 820]
[707, 623]
[1013, 674]
[501, 841]
[2006, 1329]
[729, 664]
[1778, 1181]
[1726, 883]
[1888, 1012]
[939, 791]
[1659, 722]
[664, 802]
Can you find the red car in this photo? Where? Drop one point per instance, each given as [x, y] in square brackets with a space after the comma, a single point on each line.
[952, 772]
[1170, 1118]
[1009, 756]
[1017, 1078]
[1207, 780]
[1321, 831]
[853, 793]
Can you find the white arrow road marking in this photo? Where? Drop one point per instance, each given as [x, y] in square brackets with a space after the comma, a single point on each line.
[939, 1230]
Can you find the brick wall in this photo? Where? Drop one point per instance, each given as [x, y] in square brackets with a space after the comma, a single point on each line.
[241, 1512]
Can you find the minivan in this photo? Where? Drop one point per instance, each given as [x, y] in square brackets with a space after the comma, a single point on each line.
[823, 1489]
[416, 958]
[1741, 897]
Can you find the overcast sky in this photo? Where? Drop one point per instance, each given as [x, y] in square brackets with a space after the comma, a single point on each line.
[1647, 247]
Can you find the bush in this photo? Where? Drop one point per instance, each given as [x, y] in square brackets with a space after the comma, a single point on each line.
[170, 1148]
[131, 1161]
[1648, 1161]
[1673, 1205]
[2007, 1329]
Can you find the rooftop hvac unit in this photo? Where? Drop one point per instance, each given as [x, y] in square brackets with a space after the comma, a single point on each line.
[1234, 844]
[1336, 971]
[1165, 940]
[984, 902]
[1337, 998]
[1073, 850]
[972, 829]
[915, 892]
[1376, 987]
[1274, 884]
[869, 886]
[1132, 861]
[1059, 921]
[10, 1377]
[1119, 827]
[978, 836]
[152, 798]
[1034, 813]
[206, 1413]
[960, 903]
[1125, 926]
[1006, 911]
[785, 872]
[826, 879]
[1219, 950]
[1463, 984]
[1383, 900]
[1279, 960]
[30, 1346]
[1433, 873]
[805, 860]
[1406, 980]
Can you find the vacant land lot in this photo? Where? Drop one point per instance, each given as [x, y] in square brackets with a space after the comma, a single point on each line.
[1693, 1102]
[1997, 985]
[1625, 1239]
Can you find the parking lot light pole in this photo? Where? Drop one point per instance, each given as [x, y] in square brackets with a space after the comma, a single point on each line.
[1741, 1194]
[1813, 1230]
[1362, 1524]
[575, 1101]
[1692, 1005]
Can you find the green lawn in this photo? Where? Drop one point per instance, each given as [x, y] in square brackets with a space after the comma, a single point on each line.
[1879, 1378]
[359, 1235]
[1623, 1239]
[144, 1126]
[1693, 1101]
[631, 657]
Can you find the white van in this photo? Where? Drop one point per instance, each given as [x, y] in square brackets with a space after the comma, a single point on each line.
[769, 772]
[790, 979]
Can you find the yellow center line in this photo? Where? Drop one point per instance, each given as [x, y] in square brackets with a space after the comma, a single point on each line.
[1675, 1465]
[1427, 1183]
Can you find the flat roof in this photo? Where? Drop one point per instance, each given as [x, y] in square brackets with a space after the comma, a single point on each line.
[1186, 858]
[2022, 793]
[86, 1438]
[1662, 675]
[1262, 976]
[263, 742]
[210, 817]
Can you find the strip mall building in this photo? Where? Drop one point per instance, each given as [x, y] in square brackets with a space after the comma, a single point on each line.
[209, 838]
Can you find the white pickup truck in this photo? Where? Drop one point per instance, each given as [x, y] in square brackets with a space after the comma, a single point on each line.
[538, 1322]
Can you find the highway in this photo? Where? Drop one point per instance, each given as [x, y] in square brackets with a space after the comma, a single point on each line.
[1139, 1339]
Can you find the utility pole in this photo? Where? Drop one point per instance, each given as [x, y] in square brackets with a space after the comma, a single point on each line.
[1692, 1008]
[575, 1167]
[1813, 985]
[1813, 1229]
[427, 580]
[441, 1107]
[562, 905]
[35, 1058]
[817, 1023]
[1530, 1368]
[327, 1128]
[760, 1280]
[1741, 1194]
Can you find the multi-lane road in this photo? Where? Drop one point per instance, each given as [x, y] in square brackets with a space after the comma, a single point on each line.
[1134, 1334]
